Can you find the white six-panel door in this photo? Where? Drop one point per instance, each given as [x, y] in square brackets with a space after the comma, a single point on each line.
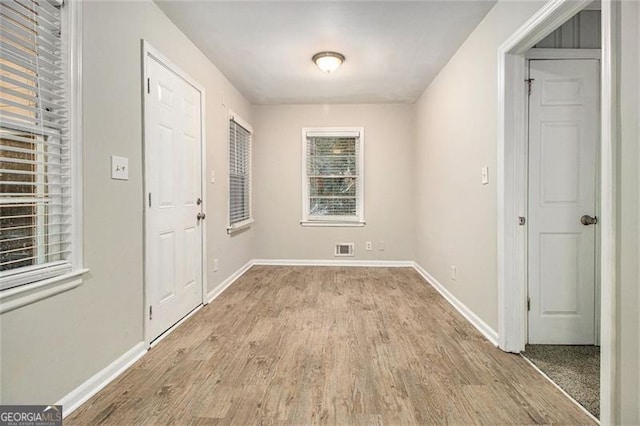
[173, 153]
[563, 136]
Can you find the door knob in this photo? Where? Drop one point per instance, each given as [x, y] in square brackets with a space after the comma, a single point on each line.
[201, 216]
[588, 220]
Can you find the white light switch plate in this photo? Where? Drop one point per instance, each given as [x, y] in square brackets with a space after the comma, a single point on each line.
[485, 175]
[119, 168]
[212, 178]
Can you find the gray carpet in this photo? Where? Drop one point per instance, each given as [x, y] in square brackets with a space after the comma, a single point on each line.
[576, 369]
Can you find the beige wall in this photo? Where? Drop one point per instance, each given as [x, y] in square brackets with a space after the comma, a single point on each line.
[628, 320]
[388, 172]
[51, 347]
[456, 121]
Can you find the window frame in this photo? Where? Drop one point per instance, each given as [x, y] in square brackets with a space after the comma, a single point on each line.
[358, 219]
[238, 226]
[32, 283]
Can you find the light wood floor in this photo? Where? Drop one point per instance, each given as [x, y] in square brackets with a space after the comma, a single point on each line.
[303, 345]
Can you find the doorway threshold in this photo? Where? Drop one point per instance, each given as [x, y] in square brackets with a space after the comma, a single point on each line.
[575, 369]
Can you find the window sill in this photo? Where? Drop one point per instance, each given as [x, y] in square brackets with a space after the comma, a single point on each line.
[18, 297]
[328, 223]
[33, 274]
[240, 226]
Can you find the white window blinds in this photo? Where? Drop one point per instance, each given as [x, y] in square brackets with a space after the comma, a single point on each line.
[239, 174]
[333, 180]
[35, 197]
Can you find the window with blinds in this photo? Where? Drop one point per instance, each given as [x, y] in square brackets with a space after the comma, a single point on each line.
[239, 174]
[35, 198]
[333, 178]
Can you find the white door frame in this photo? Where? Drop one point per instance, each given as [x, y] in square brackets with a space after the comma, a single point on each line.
[151, 52]
[512, 189]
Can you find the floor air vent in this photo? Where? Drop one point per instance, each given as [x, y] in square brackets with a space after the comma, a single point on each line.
[344, 249]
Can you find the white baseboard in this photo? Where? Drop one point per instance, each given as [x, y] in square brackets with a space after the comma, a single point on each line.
[230, 280]
[101, 379]
[474, 319]
[358, 263]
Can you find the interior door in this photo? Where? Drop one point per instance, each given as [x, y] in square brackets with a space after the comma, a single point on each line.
[563, 139]
[173, 152]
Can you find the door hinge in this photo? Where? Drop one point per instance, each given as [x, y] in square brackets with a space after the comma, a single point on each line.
[529, 82]
[148, 85]
[150, 312]
[149, 199]
[528, 304]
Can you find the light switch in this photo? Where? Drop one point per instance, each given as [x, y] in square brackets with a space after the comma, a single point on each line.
[119, 168]
[485, 175]
[212, 179]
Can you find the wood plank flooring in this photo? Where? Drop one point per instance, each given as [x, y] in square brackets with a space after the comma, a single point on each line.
[330, 345]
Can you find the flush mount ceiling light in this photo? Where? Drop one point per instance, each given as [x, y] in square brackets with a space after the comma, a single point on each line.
[328, 61]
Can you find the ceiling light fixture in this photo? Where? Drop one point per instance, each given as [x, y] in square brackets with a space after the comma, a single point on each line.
[328, 61]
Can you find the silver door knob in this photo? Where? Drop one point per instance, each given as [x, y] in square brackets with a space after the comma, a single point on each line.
[201, 216]
[588, 220]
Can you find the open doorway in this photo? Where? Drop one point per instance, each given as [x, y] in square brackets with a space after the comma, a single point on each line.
[515, 57]
[563, 250]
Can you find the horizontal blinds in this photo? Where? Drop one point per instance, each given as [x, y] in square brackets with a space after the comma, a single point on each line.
[35, 182]
[332, 174]
[239, 173]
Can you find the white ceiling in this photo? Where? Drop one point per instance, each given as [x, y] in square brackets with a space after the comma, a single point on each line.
[393, 49]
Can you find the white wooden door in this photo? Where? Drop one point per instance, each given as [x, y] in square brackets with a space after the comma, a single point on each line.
[563, 139]
[173, 177]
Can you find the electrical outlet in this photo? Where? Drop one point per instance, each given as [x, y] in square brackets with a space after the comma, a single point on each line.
[381, 245]
[215, 265]
[368, 246]
[453, 271]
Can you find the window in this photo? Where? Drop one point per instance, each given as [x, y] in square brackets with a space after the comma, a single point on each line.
[333, 173]
[239, 174]
[36, 203]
